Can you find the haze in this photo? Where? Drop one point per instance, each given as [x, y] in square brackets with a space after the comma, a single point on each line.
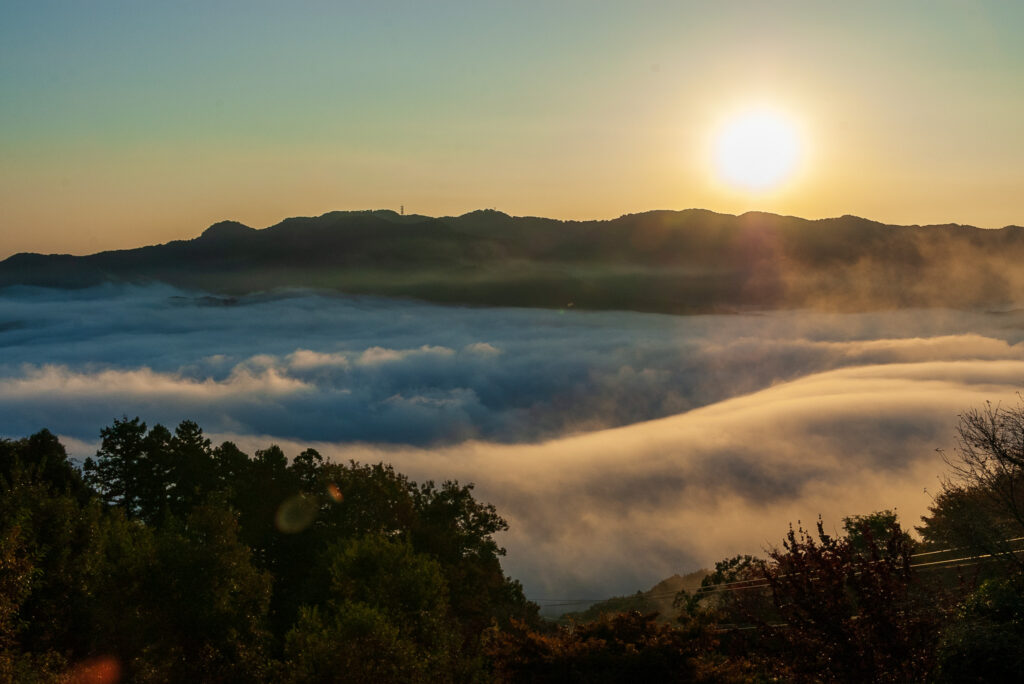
[622, 447]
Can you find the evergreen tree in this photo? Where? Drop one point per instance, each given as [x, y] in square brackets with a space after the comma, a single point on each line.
[117, 472]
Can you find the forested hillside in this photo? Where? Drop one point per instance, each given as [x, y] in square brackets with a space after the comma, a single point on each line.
[181, 561]
[692, 261]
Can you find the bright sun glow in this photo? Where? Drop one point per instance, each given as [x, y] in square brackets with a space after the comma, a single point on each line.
[757, 150]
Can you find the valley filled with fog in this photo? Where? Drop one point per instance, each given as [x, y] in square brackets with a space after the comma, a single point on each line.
[621, 447]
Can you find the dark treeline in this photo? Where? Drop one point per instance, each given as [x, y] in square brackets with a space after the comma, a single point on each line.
[169, 559]
[173, 560]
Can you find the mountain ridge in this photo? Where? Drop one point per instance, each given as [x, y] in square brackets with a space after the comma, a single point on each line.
[688, 261]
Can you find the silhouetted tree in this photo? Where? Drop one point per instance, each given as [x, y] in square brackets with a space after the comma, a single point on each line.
[118, 471]
[981, 506]
[386, 618]
[306, 467]
[41, 458]
[733, 593]
[192, 470]
[459, 532]
[45, 558]
[850, 611]
[232, 467]
[156, 465]
[980, 513]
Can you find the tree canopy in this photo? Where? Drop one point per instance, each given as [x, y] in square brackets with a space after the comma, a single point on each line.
[179, 560]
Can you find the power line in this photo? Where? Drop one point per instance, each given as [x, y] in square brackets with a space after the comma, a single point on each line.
[760, 583]
[961, 548]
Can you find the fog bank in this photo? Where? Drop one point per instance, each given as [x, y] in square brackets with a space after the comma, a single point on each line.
[621, 447]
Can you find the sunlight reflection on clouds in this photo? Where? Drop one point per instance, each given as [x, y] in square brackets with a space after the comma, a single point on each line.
[621, 447]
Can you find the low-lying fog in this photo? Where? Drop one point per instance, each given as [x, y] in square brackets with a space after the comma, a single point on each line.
[621, 447]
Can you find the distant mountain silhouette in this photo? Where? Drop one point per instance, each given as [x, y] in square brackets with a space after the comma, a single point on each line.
[668, 261]
[226, 230]
[660, 599]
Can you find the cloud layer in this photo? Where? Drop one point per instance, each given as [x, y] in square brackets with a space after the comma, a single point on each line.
[621, 447]
[616, 510]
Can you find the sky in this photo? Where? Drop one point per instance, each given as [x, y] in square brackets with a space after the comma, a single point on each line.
[132, 123]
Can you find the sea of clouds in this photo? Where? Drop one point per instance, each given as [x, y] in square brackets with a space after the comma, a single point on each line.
[621, 447]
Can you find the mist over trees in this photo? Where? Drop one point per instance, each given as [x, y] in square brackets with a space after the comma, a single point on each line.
[692, 261]
[866, 604]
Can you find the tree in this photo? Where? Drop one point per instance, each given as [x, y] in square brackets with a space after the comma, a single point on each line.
[625, 647]
[155, 472]
[135, 469]
[374, 499]
[191, 468]
[873, 533]
[851, 610]
[117, 472]
[732, 593]
[211, 602]
[980, 512]
[306, 467]
[981, 505]
[232, 467]
[386, 618]
[50, 559]
[19, 662]
[41, 458]
[985, 640]
[458, 531]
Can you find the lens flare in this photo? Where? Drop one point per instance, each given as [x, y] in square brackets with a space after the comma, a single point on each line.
[333, 493]
[100, 670]
[296, 513]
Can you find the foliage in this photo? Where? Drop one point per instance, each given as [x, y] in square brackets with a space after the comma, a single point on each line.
[849, 605]
[615, 648]
[662, 598]
[387, 618]
[864, 533]
[173, 559]
[729, 594]
[985, 641]
[459, 532]
[980, 512]
[119, 472]
[981, 506]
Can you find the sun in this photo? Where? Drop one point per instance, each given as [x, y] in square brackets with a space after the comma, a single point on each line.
[757, 150]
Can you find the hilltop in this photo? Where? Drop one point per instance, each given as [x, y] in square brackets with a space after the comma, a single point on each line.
[689, 261]
[660, 599]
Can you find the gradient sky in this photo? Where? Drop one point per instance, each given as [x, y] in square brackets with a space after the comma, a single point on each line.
[129, 123]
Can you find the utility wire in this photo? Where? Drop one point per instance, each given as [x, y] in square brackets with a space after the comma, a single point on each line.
[759, 583]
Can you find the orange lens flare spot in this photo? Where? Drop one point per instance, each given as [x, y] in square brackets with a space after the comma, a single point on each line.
[101, 670]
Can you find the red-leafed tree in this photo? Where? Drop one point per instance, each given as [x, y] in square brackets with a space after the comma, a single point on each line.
[851, 608]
